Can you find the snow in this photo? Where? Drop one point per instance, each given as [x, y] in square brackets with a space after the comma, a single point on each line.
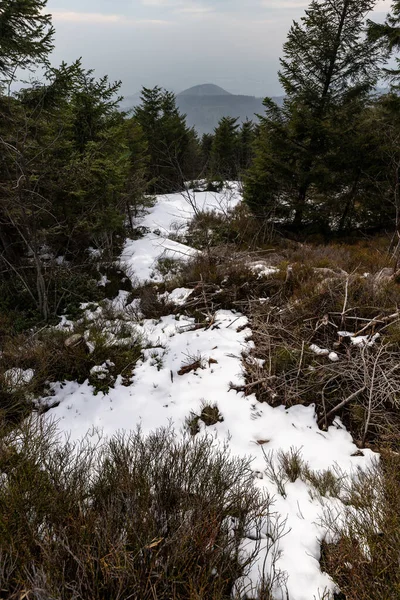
[177, 296]
[360, 340]
[103, 281]
[158, 396]
[170, 216]
[319, 351]
[139, 257]
[16, 378]
[262, 269]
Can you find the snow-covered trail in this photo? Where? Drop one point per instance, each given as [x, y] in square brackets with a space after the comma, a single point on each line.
[158, 396]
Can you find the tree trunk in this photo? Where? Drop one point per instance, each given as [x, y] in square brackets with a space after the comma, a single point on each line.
[300, 206]
[349, 204]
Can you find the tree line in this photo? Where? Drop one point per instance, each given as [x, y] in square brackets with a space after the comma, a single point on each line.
[75, 170]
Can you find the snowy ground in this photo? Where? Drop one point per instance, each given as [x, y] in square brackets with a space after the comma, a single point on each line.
[170, 216]
[158, 396]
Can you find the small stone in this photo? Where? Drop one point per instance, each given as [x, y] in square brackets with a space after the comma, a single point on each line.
[74, 340]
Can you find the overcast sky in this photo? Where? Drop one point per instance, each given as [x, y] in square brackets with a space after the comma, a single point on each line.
[179, 43]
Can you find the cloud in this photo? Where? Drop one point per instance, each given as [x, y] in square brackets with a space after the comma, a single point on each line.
[101, 18]
[284, 4]
[181, 6]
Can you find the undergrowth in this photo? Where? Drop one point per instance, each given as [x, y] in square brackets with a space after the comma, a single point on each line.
[130, 517]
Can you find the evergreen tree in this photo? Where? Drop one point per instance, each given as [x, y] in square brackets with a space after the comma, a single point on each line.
[247, 136]
[170, 142]
[389, 31]
[139, 179]
[328, 67]
[26, 35]
[63, 188]
[225, 150]
[206, 148]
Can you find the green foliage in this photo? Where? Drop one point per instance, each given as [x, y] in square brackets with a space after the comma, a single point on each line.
[225, 149]
[307, 158]
[26, 36]
[172, 146]
[389, 31]
[64, 180]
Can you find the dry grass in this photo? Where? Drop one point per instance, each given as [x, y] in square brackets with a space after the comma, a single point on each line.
[132, 517]
[239, 229]
[304, 313]
[364, 559]
[209, 415]
[46, 353]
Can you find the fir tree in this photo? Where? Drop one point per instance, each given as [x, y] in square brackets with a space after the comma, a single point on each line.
[225, 149]
[170, 142]
[389, 31]
[247, 137]
[26, 35]
[328, 64]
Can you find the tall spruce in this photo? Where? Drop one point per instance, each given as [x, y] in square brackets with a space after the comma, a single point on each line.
[26, 35]
[170, 142]
[225, 149]
[328, 66]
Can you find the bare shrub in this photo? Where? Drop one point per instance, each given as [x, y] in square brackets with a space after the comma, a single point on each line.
[45, 353]
[133, 516]
[238, 228]
[326, 483]
[308, 360]
[152, 305]
[362, 555]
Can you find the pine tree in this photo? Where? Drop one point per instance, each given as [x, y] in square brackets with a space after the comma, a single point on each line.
[328, 64]
[26, 35]
[225, 150]
[63, 188]
[206, 148]
[170, 142]
[247, 136]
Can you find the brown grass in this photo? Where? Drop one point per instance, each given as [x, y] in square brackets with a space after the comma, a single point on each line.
[364, 561]
[132, 517]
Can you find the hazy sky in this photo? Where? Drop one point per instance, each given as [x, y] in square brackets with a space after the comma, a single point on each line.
[179, 43]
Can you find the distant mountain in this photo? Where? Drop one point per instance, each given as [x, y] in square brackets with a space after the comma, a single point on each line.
[207, 89]
[129, 102]
[205, 105]
[204, 110]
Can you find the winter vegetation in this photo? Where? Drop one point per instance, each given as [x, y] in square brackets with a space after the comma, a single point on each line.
[200, 337]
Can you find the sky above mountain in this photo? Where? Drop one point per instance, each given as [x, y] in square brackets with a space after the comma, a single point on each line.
[180, 43]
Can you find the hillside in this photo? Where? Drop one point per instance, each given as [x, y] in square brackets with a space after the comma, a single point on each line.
[206, 89]
[205, 105]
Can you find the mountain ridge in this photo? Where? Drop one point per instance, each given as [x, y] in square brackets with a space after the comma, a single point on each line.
[204, 89]
[206, 104]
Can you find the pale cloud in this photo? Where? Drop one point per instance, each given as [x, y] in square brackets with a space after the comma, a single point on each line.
[383, 6]
[100, 18]
[188, 7]
[284, 4]
[281, 5]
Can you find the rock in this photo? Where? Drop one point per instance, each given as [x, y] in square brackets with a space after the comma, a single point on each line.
[74, 340]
